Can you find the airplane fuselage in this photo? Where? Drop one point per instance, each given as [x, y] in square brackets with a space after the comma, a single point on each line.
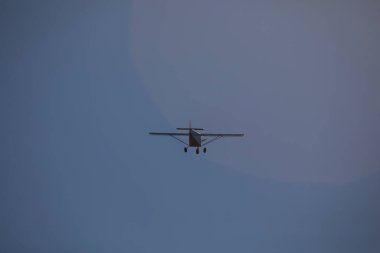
[195, 139]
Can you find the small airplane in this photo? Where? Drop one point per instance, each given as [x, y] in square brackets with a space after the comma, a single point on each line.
[195, 137]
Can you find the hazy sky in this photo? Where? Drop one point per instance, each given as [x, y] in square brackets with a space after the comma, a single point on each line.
[299, 78]
[82, 82]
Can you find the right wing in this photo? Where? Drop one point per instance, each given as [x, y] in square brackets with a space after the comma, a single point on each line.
[217, 136]
[170, 134]
[224, 135]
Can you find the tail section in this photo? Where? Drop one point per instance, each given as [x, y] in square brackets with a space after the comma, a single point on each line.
[190, 128]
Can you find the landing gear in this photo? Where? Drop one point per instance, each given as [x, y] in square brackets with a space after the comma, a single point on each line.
[196, 150]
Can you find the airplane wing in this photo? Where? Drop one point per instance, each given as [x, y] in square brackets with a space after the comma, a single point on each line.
[170, 134]
[217, 137]
[224, 135]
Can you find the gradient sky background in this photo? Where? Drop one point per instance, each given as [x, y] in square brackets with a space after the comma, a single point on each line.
[82, 82]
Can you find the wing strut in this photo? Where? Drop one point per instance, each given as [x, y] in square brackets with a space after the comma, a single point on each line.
[212, 140]
[178, 139]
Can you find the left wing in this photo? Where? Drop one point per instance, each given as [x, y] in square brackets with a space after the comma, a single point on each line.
[170, 134]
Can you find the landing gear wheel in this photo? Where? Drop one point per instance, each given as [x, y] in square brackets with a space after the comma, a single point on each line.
[204, 150]
[185, 149]
[197, 151]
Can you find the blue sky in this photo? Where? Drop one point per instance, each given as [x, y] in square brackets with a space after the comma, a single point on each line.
[79, 173]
